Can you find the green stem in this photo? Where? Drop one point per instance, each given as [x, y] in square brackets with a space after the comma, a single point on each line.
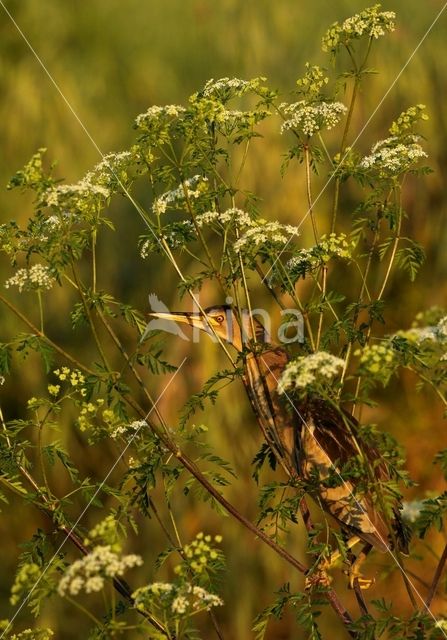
[323, 300]
[90, 320]
[357, 79]
[39, 298]
[87, 613]
[309, 190]
[94, 260]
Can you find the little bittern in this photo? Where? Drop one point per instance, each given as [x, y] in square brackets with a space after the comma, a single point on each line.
[313, 438]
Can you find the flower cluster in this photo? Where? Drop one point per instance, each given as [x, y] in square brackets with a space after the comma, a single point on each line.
[26, 578]
[239, 217]
[76, 196]
[192, 188]
[88, 411]
[176, 235]
[36, 278]
[73, 376]
[112, 171]
[317, 369]
[130, 430]
[155, 113]
[177, 599]
[334, 246]
[306, 260]
[418, 335]
[262, 232]
[32, 634]
[105, 532]
[392, 157]
[89, 573]
[371, 22]
[310, 118]
[226, 88]
[313, 81]
[407, 119]
[378, 361]
[441, 328]
[200, 555]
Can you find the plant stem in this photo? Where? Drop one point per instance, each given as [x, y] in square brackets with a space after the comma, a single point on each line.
[90, 320]
[309, 190]
[40, 334]
[323, 299]
[436, 578]
[39, 299]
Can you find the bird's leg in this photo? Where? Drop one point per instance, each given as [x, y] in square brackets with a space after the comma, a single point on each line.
[351, 542]
[355, 576]
[320, 575]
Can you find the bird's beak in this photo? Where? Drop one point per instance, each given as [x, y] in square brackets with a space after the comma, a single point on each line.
[196, 320]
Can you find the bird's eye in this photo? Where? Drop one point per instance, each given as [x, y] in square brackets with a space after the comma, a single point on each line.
[219, 319]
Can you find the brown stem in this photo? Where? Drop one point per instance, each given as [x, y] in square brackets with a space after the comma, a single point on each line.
[436, 578]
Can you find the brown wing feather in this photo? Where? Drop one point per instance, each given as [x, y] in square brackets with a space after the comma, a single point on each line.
[312, 439]
[329, 439]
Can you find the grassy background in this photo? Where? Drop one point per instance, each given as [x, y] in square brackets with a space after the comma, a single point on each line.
[114, 59]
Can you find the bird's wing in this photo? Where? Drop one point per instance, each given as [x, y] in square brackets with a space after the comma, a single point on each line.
[328, 441]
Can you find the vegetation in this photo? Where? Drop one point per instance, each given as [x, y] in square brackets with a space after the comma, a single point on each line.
[165, 474]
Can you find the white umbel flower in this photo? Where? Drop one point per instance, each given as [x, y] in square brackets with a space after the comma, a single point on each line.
[306, 371]
[311, 118]
[37, 277]
[89, 573]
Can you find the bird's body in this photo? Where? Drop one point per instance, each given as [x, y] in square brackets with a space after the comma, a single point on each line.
[313, 439]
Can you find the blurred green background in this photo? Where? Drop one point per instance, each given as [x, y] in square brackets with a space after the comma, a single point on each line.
[112, 60]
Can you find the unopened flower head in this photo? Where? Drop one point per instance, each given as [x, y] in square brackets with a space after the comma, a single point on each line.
[378, 361]
[307, 371]
[199, 555]
[407, 120]
[313, 81]
[370, 22]
[36, 278]
[27, 576]
[307, 260]
[310, 118]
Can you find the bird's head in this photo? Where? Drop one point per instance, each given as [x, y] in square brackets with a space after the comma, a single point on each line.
[221, 321]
